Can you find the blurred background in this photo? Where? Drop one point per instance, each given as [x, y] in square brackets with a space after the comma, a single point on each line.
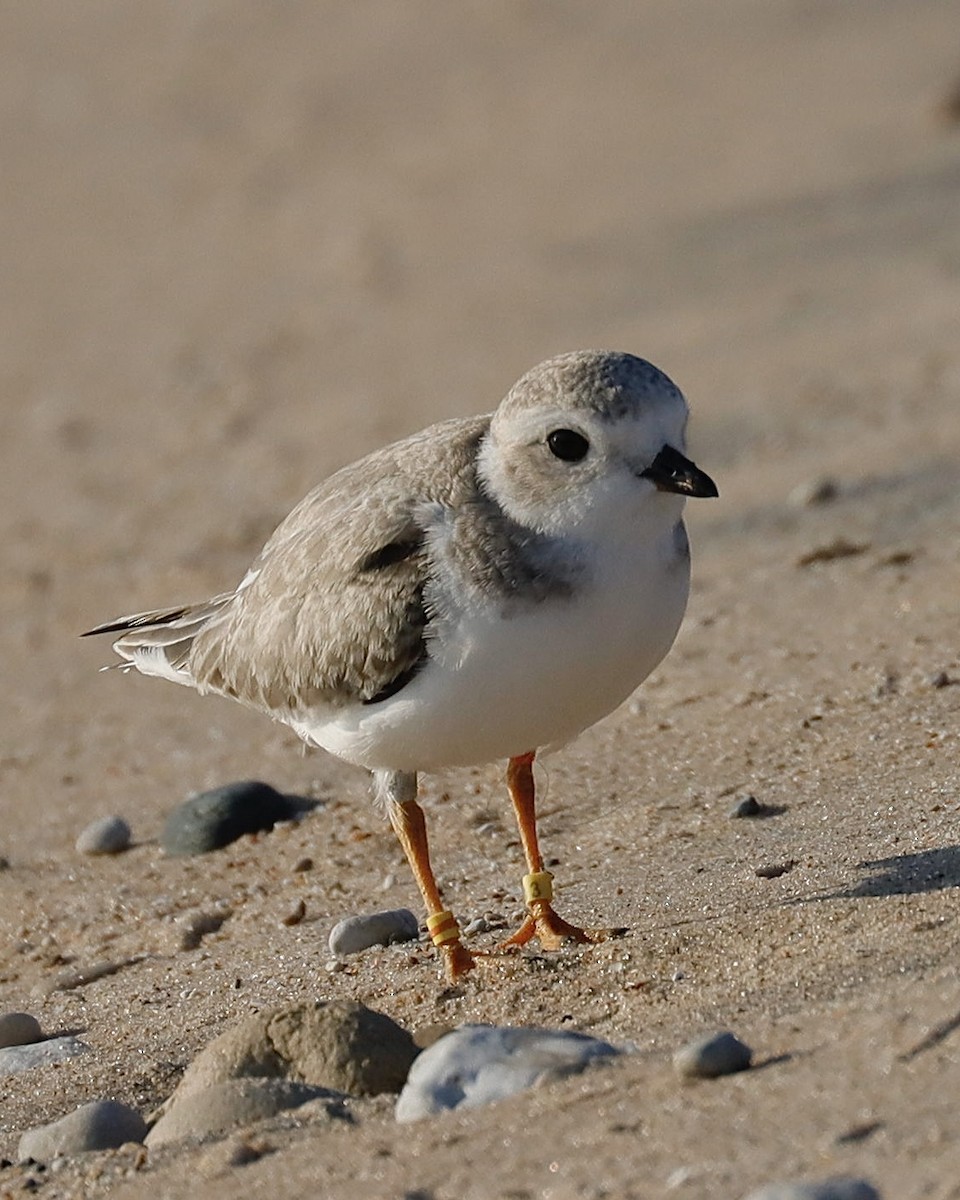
[245, 242]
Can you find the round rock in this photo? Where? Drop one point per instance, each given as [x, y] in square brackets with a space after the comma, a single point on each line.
[840, 1187]
[353, 934]
[109, 835]
[711, 1056]
[101, 1125]
[338, 1044]
[211, 820]
[223, 1106]
[477, 1064]
[19, 1029]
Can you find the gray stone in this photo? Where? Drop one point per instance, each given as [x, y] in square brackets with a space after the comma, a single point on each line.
[97, 1126]
[840, 1187]
[477, 1064]
[14, 1060]
[211, 820]
[711, 1056]
[223, 1106]
[336, 1044]
[109, 835]
[746, 806]
[353, 934]
[19, 1029]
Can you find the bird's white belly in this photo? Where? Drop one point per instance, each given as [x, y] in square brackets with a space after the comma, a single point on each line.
[502, 686]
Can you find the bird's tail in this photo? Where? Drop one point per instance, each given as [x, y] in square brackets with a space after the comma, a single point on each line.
[159, 643]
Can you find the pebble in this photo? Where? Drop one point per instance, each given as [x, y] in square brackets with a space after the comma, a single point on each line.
[336, 1044]
[101, 1125]
[14, 1060]
[109, 835]
[210, 820]
[746, 806]
[814, 491]
[478, 1064]
[353, 934]
[223, 1106]
[713, 1055]
[840, 1187]
[775, 870]
[19, 1029]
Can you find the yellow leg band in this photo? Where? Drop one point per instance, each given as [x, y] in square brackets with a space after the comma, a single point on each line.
[538, 885]
[443, 927]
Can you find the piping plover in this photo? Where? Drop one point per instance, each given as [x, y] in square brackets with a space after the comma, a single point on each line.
[486, 588]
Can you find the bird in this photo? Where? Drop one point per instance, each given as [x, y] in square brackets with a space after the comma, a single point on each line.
[485, 589]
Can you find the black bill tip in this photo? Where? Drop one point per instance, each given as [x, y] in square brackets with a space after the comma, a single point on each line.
[670, 471]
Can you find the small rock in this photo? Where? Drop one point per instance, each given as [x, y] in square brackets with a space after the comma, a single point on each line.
[814, 491]
[940, 679]
[335, 1044]
[840, 1187]
[223, 1106]
[354, 934]
[477, 925]
[711, 1056]
[775, 870]
[109, 835]
[746, 806]
[14, 1060]
[477, 1064]
[19, 1029]
[101, 1125]
[211, 820]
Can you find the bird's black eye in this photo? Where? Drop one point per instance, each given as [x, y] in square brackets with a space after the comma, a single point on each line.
[568, 445]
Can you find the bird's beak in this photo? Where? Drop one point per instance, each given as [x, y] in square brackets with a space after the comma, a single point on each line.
[671, 472]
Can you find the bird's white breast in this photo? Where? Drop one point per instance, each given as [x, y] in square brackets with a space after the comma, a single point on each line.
[500, 685]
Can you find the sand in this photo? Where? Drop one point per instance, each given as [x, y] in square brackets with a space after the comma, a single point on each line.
[244, 243]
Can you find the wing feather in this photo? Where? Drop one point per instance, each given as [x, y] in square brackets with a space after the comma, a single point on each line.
[332, 611]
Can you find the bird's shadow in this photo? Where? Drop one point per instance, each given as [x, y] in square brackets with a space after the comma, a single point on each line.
[906, 874]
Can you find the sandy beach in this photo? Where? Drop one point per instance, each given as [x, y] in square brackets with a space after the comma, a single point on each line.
[244, 244]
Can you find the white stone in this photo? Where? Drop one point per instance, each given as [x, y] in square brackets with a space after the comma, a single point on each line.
[109, 835]
[353, 934]
[477, 1064]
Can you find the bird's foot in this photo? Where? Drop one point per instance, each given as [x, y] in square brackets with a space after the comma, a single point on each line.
[457, 960]
[552, 931]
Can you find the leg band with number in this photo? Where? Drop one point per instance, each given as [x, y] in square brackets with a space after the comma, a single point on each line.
[538, 885]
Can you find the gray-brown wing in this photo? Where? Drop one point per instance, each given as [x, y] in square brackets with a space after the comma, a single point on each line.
[332, 610]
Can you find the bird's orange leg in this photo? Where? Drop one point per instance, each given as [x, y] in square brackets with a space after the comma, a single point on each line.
[406, 817]
[543, 923]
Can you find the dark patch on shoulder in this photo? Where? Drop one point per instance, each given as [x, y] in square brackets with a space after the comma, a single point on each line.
[391, 554]
[400, 681]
